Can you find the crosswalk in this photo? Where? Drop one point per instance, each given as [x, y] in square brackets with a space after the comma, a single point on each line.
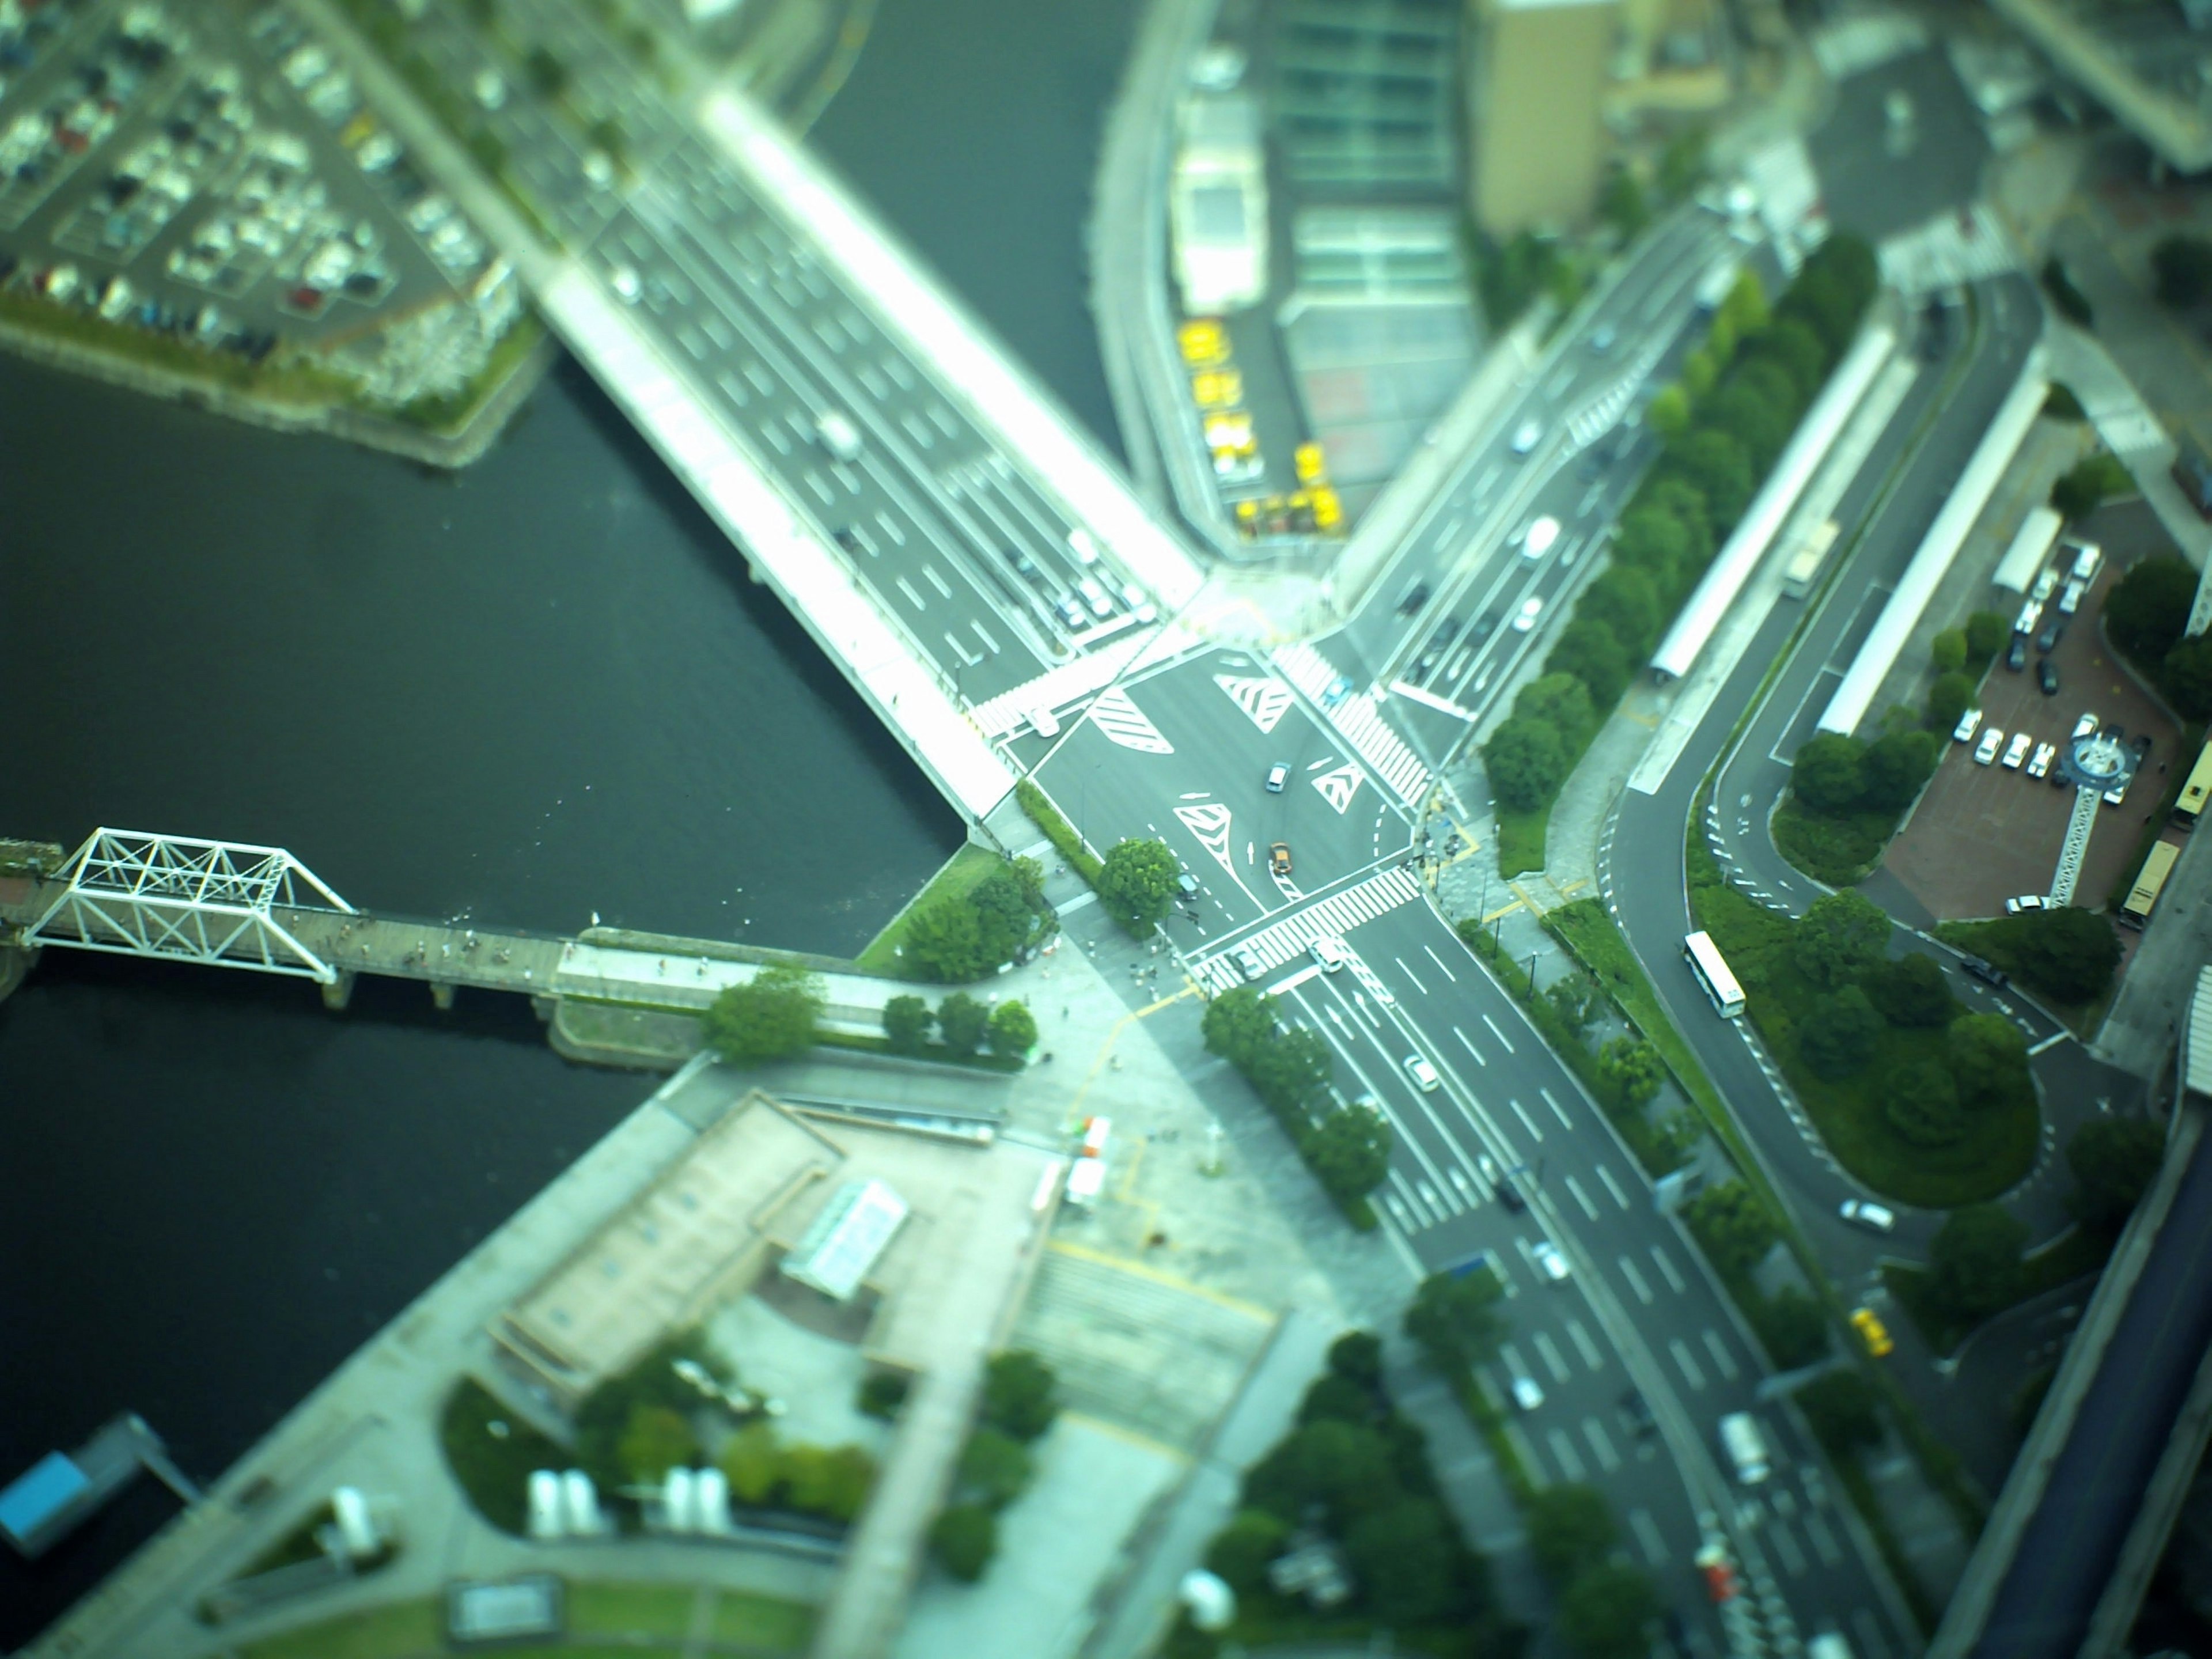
[1950, 248]
[1357, 720]
[1057, 688]
[1330, 918]
[1603, 410]
[1114, 712]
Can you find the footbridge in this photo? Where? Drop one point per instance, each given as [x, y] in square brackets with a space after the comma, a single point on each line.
[954, 543]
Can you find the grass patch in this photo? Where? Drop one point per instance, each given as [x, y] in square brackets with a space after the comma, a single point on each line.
[2073, 1255]
[401, 1627]
[296, 1548]
[1520, 839]
[495, 1469]
[630, 1609]
[958, 878]
[1058, 830]
[760, 1621]
[290, 380]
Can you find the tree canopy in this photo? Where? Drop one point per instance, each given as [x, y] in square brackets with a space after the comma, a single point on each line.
[1137, 882]
[1021, 1394]
[1456, 1319]
[1921, 1103]
[1733, 1226]
[1910, 990]
[1013, 1029]
[1570, 1527]
[960, 1022]
[1974, 1264]
[1827, 774]
[1840, 934]
[2148, 606]
[1989, 1058]
[2069, 952]
[772, 1016]
[2113, 1161]
[1839, 1032]
[906, 1022]
[1607, 1611]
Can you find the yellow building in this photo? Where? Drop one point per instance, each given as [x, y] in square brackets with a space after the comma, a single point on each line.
[1535, 76]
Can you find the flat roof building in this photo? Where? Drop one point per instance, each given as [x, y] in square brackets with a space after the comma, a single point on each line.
[1536, 74]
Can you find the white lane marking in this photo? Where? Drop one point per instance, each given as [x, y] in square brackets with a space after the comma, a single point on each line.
[1408, 973]
[992, 645]
[1600, 1445]
[1612, 1186]
[1655, 1552]
[891, 527]
[1555, 1362]
[1718, 1349]
[1581, 1198]
[1667, 1267]
[1683, 1358]
[820, 486]
[913, 597]
[1495, 1032]
[1635, 1281]
[1470, 1047]
[1872, 1642]
[1439, 961]
[1558, 1110]
[1527, 1122]
[1591, 1357]
[1562, 1449]
[937, 581]
[1785, 1545]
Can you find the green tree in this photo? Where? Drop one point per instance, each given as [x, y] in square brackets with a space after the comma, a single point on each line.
[2070, 952]
[1292, 1073]
[1338, 1399]
[1407, 1559]
[1345, 1468]
[772, 1016]
[1986, 634]
[945, 940]
[1921, 1103]
[1681, 500]
[1791, 346]
[752, 1463]
[2148, 607]
[1745, 306]
[1948, 650]
[1839, 1033]
[1792, 1327]
[1570, 1527]
[1842, 1410]
[960, 1022]
[1631, 1071]
[655, 1440]
[2088, 483]
[1910, 990]
[1455, 1318]
[1607, 1612]
[994, 1469]
[1952, 695]
[1654, 540]
[1563, 702]
[907, 1020]
[964, 1538]
[2181, 269]
[547, 73]
[1896, 764]
[1699, 370]
[1828, 774]
[1732, 1227]
[1575, 1000]
[1840, 934]
[1349, 1153]
[1525, 762]
[1626, 601]
[1751, 416]
[1242, 1552]
[1716, 463]
[2114, 1160]
[1973, 1266]
[1989, 1058]
[1621, 204]
[830, 1482]
[1587, 650]
[1013, 1029]
[1021, 1394]
[1669, 412]
[1137, 882]
[2185, 676]
[1238, 1023]
[1682, 163]
[1357, 1357]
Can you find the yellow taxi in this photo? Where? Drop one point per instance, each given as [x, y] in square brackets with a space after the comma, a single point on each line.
[1202, 341]
[1872, 1331]
[1311, 463]
[1217, 388]
[1328, 511]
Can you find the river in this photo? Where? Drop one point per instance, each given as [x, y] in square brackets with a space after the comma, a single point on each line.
[539, 689]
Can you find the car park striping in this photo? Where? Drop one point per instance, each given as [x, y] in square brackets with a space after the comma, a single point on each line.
[1667, 1267]
[1501, 1037]
[1612, 1186]
[1581, 1198]
[1718, 1349]
[1557, 1111]
[1635, 1281]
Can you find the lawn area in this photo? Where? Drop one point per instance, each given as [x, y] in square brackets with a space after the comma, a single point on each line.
[493, 1470]
[386, 1633]
[1520, 839]
[630, 1609]
[2076, 1252]
[759, 1621]
[961, 873]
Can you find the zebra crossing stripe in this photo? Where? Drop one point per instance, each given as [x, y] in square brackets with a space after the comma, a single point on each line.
[1355, 718]
[1113, 711]
[1332, 918]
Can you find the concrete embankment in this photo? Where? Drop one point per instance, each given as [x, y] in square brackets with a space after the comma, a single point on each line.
[15, 966]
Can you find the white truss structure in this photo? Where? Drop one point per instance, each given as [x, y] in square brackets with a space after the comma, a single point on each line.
[212, 902]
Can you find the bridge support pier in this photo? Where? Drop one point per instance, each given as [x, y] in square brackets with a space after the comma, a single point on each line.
[441, 994]
[338, 992]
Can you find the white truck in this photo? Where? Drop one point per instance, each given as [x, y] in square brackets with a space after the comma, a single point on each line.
[1745, 1447]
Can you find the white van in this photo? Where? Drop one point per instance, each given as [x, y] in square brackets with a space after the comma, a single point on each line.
[1745, 1447]
[1080, 544]
[838, 435]
[1101, 604]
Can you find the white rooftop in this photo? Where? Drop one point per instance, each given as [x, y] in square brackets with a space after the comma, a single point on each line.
[847, 1238]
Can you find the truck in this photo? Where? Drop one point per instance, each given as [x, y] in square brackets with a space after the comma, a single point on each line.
[1745, 1447]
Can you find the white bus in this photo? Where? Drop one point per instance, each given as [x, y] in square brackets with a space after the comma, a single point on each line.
[1712, 971]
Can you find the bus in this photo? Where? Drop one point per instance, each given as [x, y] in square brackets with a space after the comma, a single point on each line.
[2196, 792]
[1805, 564]
[1712, 971]
[2142, 898]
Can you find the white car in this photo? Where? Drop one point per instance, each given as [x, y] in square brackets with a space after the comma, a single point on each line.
[1329, 954]
[1986, 749]
[1527, 1393]
[2084, 727]
[2069, 597]
[1528, 436]
[625, 283]
[1551, 1261]
[1537, 540]
[1525, 617]
[1424, 1074]
[1046, 722]
[840, 436]
[1968, 723]
[2025, 902]
[2046, 583]
[1875, 1218]
[2045, 754]
[2016, 750]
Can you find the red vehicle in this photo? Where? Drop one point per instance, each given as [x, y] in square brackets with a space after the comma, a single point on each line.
[1720, 1576]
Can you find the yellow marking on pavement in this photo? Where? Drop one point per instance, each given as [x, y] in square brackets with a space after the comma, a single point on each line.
[1101, 1258]
[1649, 721]
[1142, 1442]
[1136, 1162]
[1506, 910]
[1106, 1048]
[1574, 887]
[1534, 908]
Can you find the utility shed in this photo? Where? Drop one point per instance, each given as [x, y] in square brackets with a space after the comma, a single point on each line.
[846, 1239]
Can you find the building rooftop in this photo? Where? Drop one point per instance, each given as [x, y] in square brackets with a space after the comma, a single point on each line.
[847, 1239]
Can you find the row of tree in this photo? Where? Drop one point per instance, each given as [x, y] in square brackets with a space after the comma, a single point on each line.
[2144, 616]
[1136, 881]
[956, 937]
[960, 1026]
[1740, 396]
[1292, 1069]
[1021, 1397]
[1736, 1230]
[2068, 953]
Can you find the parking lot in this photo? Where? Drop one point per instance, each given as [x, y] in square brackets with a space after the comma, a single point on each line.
[1983, 834]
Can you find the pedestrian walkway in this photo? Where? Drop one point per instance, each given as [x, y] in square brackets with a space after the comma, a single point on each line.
[1950, 249]
[1330, 918]
[1355, 717]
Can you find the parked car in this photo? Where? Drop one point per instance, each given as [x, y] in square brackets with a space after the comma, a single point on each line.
[1277, 776]
[2053, 631]
[1988, 972]
[1875, 1218]
[1415, 596]
[1551, 1261]
[2039, 767]
[2046, 677]
[1872, 1332]
[1279, 859]
[2142, 745]
[2069, 597]
[1424, 1074]
[2046, 584]
[2016, 750]
[2025, 903]
[2016, 657]
[2084, 727]
[1968, 723]
[1986, 749]
[1636, 1410]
